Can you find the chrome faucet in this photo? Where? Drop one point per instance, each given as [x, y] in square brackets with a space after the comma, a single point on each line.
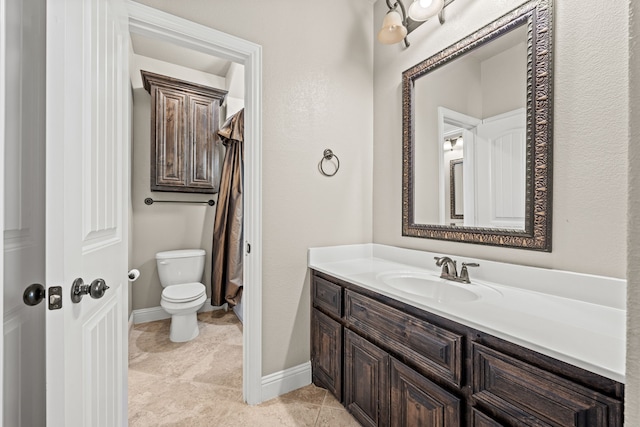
[450, 272]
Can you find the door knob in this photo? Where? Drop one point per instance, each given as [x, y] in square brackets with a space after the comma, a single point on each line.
[96, 289]
[33, 294]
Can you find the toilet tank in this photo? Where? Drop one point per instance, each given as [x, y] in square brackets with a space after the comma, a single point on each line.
[180, 266]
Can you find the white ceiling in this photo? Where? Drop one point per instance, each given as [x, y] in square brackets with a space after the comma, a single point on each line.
[169, 52]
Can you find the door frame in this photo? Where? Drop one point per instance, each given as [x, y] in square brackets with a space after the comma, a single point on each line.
[159, 25]
[3, 99]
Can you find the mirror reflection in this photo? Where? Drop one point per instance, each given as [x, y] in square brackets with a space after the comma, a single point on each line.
[470, 138]
[477, 135]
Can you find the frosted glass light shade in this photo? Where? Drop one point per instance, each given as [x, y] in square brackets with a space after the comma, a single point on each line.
[393, 31]
[421, 10]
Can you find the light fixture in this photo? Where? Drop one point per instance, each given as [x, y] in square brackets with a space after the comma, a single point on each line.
[393, 29]
[421, 10]
[397, 23]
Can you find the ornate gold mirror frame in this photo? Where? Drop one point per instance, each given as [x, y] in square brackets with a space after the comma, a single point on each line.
[537, 16]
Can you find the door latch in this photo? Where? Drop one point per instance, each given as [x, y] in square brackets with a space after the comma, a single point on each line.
[55, 297]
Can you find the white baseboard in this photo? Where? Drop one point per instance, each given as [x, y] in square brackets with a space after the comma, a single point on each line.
[144, 315]
[279, 383]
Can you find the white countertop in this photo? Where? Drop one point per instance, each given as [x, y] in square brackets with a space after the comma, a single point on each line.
[576, 318]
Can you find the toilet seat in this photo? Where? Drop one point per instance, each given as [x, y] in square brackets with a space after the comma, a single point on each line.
[184, 292]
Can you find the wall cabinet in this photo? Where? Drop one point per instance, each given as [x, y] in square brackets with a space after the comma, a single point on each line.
[402, 366]
[186, 152]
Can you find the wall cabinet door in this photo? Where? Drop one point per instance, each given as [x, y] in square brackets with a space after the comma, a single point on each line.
[366, 385]
[169, 156]
[416, 401]
[326, 353]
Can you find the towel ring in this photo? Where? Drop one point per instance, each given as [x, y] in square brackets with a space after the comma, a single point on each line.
[328, 155]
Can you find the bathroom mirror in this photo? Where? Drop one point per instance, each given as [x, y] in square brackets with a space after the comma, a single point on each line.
[477, 142]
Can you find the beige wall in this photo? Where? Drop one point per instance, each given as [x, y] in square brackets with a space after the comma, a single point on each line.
[591, 114]
[317, 94]
[458, 88]
[504, 81]
[161, 227]
[632, 391]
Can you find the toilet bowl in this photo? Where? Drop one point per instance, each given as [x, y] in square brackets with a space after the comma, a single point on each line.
[183, 295]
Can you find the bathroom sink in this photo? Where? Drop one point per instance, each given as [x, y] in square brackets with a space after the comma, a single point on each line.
[433, 287]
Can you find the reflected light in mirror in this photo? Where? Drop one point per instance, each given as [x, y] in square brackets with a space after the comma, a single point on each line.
[421, 10]
[453, 144]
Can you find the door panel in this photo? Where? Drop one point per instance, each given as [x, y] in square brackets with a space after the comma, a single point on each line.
[500, 150]
[24, 339]
[86, 223]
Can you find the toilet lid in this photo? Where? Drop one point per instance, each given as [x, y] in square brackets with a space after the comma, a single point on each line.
[184, 292]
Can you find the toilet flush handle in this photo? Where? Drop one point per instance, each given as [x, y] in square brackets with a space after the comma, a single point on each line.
[163, 262]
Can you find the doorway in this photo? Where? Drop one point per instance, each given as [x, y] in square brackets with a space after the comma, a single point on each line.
[27, 175]
[156, 25]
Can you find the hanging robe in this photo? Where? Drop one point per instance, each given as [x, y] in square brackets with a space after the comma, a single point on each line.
[226, 266]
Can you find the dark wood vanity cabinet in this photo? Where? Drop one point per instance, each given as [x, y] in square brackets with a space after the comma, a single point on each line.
[186, 152]
[401, 366]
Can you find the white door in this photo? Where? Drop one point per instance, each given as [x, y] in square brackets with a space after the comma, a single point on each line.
[23, 32]
[500, 166]
[86, 216]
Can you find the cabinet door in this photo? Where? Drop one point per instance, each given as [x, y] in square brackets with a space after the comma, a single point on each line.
[204, 148]
[366, 381]
[168, 154]
[326, 353]
[416, 401]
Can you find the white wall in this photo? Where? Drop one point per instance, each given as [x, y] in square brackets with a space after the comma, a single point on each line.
[162, 227]
[632, 390]
[235, 86]
[317, 94]
[590, 127]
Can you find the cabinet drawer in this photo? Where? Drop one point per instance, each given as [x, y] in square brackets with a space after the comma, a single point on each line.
[428, 347]
[519, 391]
[327, 296]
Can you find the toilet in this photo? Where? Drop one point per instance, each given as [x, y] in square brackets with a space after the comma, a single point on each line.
[183, 295]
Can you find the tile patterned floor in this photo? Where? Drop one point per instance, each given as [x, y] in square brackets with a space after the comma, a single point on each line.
[199, 383]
